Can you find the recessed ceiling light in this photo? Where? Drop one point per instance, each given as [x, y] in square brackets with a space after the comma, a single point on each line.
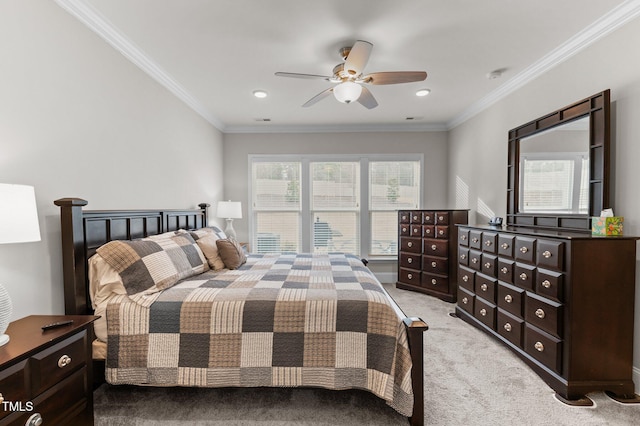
[259, 93]
[423, 92]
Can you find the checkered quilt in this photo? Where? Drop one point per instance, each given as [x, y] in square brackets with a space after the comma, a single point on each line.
[279, 320]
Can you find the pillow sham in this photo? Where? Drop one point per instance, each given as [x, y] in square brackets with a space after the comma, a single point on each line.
[150, 265]
[206, 239]
[231, 253]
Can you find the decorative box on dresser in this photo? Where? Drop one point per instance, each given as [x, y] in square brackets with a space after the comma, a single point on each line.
[46, 376]
[562, 301]
[428, 251]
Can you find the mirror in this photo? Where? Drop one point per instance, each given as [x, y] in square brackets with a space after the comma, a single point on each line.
[554, 170]
[558, 167]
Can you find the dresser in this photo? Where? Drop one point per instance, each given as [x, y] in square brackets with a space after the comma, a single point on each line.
[427, 251]
[45, 376]
[562, 301]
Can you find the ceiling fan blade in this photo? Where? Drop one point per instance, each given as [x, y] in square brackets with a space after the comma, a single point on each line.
[358, 57]
[297, 75]
[367, 99]
[320, 96]
[394, 77]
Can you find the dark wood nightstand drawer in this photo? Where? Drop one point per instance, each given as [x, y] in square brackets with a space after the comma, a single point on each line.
[64, 400]
[12, 384]
[53, 364]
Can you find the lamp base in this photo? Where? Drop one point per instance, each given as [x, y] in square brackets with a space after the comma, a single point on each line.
[4, 339]
[229, 231]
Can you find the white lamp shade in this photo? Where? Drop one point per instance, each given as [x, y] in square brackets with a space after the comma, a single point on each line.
[18, 214]
[347, 92]
[230, 209]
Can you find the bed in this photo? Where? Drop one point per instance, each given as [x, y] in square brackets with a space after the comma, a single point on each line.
[289, 319]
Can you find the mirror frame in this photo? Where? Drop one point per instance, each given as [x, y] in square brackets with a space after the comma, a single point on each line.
[598, 109]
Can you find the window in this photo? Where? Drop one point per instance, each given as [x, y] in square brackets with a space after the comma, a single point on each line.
[320, 204]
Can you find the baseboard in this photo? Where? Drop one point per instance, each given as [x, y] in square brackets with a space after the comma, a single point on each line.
[636, 379]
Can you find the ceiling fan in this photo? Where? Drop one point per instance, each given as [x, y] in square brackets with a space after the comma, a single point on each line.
[350, 78]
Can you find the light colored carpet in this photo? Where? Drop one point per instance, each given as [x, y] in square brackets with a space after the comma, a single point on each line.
[470, 379]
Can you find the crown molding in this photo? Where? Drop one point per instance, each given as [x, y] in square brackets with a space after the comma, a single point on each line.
[347, 128]
[107, 31]
[609, 22]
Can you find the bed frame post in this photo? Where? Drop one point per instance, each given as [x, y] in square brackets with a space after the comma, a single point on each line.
[415, 329]
[205, 209]
[73, 256]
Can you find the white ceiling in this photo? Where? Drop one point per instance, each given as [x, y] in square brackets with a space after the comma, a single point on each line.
[214, 53]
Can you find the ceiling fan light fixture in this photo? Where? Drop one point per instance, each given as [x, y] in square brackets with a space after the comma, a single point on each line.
[423, 92]
[347, 92]
[260, 94]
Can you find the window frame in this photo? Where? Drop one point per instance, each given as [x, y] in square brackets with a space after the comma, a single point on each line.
[306, 227]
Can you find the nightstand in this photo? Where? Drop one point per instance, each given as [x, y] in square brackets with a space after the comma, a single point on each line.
[46, 376]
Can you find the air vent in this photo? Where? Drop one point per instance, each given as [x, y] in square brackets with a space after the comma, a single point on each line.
[262, 119]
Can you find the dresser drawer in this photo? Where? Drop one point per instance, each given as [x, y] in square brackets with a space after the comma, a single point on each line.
[505, 270]
[429, 218]
[435, 265]
[475, 239]
[485, 312]
[409, 276]
[466, 300]
[442, 231]
[475, 257]
[413, 245]
[410, 260]
[543, 347]
[428, 231]
[544, 314]
[463, 256]
[506, 243]
[510, 327]
[489, 242]
[485, 287]
[525, 249]
[404, 229]
[510, 299]
[466, 278]
[415, 230]
[550, 254]
[51, 365]
[435, 282]
[13, 384]
[415, 217]
[489, 264]
[436, 247]
[524, 276]
[549, 284]
[463, 237]
[404, 216]
[58, 404]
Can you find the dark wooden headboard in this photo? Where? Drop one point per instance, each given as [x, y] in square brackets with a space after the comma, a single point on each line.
[83, 231]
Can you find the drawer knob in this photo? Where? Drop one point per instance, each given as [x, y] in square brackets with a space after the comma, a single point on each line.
[64, 361]
[474, 260]
[546, 284]
[483, 312]
[463, 256]
[34, 420]
[416, 230]
[523, 276]
[507, 326]
[427, 218]
[540, 313]
[546, 254]
[508, 298]
[504, 246]
[487, 265]
[433, 281]
[475, 240]
[539, 346]
[465, 278]
[409, 244]
[441, 232]
[404, 217]
[433, 264]
[488, 243]
[415, 217]
[483, 287]
[410, 276]
[465, 300]
[523, 250]
[427, 231]
[441, 218]
[404, 229]
[434, 247]
[504, 270]
[410, 260]
[463, 237]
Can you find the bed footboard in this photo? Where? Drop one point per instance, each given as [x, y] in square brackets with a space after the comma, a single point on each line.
[415, 329]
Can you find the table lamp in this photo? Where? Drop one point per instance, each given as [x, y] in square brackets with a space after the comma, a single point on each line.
[18, 224]
[230, 210]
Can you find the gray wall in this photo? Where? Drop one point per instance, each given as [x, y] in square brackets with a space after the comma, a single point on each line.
[77, 119]
[478, 147]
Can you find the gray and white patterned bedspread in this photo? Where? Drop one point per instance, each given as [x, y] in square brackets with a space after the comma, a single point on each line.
[280, 320]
